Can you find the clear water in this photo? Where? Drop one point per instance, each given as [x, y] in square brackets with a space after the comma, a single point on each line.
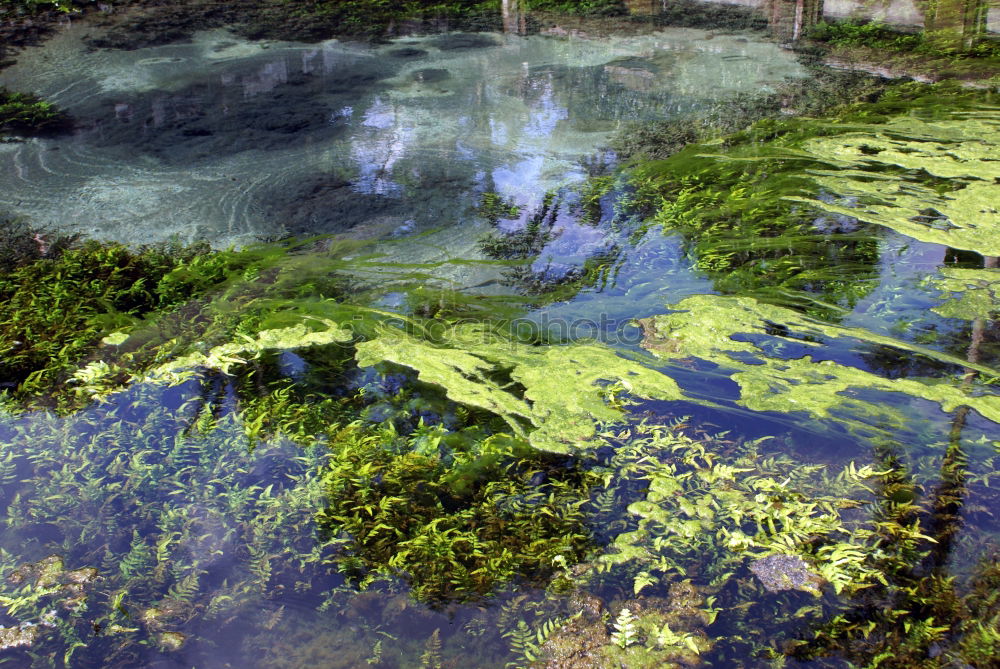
[231, 141]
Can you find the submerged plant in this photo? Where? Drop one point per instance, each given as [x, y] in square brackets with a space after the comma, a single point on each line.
[707, 327]
[933, 180]
[455, 515]
[25, 114]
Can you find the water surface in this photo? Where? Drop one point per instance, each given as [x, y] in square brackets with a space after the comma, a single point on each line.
[233, 141]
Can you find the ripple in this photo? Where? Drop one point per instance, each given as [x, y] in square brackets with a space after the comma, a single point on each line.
[226, 140]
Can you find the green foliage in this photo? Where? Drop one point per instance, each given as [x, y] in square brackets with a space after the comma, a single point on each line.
[710, 518]
[54, 310]
[879, 36]
[823, 92]
[102, 490]
[729, 200]
[584, 7]
[493, 208]
[23, 113]
[431, 659]
[456, 517]
[625, 631]
[861, 33]
[373, 16]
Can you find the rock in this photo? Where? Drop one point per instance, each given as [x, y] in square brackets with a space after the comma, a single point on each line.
[44, 573]
[576, 645]
[786, 572]
[431, 75]
[171, 641]
[17, 637]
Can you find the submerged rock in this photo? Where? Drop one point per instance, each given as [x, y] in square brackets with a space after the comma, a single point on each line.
[171, 641]
[17, 637]
[44, 573]
[431, 75]
[785, 572]
[407, 52]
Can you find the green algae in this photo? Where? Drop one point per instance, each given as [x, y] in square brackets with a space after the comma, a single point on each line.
[704, 327]
[549, 393]
[971, 293]
[957, 208]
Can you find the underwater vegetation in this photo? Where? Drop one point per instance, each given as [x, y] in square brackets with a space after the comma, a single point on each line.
[200, 445]
[761, 216]
[25, 114]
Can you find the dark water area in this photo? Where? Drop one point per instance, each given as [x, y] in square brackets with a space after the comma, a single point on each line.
[161, 527]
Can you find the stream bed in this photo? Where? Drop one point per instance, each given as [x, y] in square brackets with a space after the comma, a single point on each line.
[156, 528]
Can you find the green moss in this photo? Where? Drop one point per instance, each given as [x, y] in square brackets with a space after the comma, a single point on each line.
[22, 113]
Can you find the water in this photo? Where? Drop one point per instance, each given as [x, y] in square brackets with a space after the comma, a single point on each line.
[232, 141]
[208, 538]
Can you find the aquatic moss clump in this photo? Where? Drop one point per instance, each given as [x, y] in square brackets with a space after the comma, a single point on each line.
[25, 114]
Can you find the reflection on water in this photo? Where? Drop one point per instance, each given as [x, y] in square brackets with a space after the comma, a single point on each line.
[228, 141]
[205, 539]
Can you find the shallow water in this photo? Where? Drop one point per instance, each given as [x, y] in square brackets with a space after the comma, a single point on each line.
[213, 536]
[232, 141]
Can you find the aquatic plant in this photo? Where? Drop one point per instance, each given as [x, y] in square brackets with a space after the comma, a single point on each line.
[182, 499]
[455, 515]
[26, 114]
[710, 517]
[729, 200]
[933, 180]
[525, 385]
[53, 310]
[706, 327]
